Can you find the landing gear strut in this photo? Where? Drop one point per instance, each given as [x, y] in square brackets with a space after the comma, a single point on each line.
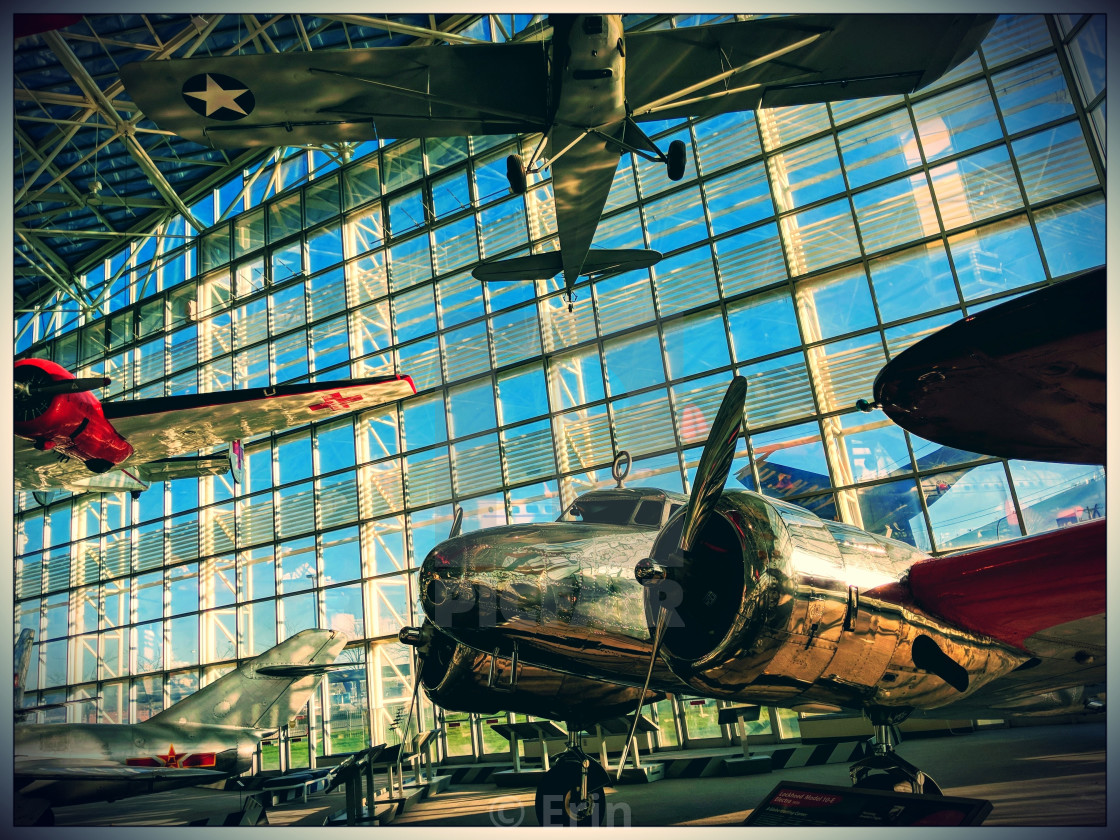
[571, 793]
[884, 769]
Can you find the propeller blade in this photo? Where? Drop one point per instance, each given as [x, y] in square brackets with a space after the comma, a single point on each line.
[711, 476]
[658, 636]
[30, 390]
[457, 523]
[715, 461]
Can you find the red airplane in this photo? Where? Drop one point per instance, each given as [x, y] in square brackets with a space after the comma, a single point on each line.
[67, 438]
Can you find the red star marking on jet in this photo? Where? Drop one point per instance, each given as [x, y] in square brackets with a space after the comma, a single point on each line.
[170, 759]
[336, 402]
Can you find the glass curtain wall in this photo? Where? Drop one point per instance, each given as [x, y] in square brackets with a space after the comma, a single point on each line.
[804, 248]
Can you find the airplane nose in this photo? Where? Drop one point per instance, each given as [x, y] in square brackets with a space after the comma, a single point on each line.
[442, 574]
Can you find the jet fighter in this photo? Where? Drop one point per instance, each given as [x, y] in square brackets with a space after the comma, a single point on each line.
[206, 737]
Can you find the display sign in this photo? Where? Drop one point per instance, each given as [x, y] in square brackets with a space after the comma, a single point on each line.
[804, 804]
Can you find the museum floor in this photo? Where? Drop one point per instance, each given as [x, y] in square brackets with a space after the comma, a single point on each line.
[1050, 775]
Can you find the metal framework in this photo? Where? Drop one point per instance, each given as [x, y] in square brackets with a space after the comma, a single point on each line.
[91, 173]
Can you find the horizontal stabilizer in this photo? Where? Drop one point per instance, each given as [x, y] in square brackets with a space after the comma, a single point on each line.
[548, 265]
[186, 466]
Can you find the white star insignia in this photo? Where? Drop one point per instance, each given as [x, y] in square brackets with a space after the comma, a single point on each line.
[216, 97]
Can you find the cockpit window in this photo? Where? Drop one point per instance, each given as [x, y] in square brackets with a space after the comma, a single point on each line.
[606, 511]
[649, 513]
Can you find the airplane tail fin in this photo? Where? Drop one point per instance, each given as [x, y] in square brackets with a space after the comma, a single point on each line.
[237, 461]
[265, 692]
[549, 264]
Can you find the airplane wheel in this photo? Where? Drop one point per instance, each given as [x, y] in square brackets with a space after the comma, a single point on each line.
[676, 156]
[558, 801]
[515, 172]
[899, 782]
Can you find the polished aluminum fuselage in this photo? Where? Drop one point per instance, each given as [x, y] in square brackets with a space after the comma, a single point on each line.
[800, 629]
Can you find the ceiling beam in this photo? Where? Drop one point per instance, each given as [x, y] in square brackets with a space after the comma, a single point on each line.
[125, 129]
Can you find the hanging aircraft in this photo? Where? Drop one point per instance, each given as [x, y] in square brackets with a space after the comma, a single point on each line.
[732, 595]
[586, 86]
[67, 438]
[1025, 379]
[203, 738]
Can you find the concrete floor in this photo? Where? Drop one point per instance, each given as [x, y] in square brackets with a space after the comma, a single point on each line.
[1033, 776]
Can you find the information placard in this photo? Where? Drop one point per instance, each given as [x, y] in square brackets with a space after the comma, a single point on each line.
[801, 803]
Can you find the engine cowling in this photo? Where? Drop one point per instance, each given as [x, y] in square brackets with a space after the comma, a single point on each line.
[768, 610]
[70, 422]
[458, 678]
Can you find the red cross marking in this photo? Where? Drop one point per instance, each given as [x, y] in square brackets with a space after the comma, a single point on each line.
[336, 402]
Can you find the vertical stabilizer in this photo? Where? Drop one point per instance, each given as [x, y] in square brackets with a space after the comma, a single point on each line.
[265, 692]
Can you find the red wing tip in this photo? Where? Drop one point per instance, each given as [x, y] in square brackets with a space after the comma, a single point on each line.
[408, 379]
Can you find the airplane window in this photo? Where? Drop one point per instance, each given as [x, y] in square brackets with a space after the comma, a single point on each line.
[649, 513]
[607, 511]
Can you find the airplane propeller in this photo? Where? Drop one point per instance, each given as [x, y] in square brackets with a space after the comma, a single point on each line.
[34, 390]
[418, 638]
[711, 476]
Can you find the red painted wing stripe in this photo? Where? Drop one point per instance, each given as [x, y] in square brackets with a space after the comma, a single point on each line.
[1013, 590]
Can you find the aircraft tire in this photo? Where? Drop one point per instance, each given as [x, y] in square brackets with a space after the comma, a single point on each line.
[557, 800]
[899, 782]
[675, 165]
[515, 172]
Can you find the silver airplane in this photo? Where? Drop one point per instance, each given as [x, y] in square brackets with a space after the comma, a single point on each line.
[580, 81]
[203, 738]
[732, 595]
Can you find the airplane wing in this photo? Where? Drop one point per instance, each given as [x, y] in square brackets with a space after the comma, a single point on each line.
[1014, 590]
[1043, 594]
[163, 427]
[290, 99]
[792, 61]
[58, 769]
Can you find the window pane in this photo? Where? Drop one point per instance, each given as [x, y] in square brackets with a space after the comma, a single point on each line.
[1055, 162]
[1073, 234]
[777, 390]
[913, 281]
[695, 343]
[575, 378]
[976, 187]
[471, 408]
[750, 260]
[895, 213]
[834, 304]
[685, 281]
[996, 258]
[633, 362]
[806, 174]
[820, 237]
[957, 120]
[790, 461]
[879, 148]
[1056, 495]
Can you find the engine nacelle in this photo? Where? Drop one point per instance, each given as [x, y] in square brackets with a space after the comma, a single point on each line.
[458, 677]
[72, 424]
[769, 609]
